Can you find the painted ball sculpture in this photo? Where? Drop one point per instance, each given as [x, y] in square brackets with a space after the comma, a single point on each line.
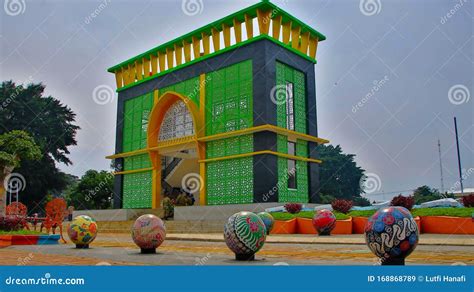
[245, 234]
[82, 231]
[148, 233]
[324, 222]
[392, 234]
[268, 220]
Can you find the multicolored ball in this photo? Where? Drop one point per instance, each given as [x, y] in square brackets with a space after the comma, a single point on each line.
[268, 220]
[392, 234]
[324, 222]
[245, 234]
[82, 231]
[148, 233]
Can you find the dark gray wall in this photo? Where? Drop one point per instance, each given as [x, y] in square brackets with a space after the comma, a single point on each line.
[264, 55]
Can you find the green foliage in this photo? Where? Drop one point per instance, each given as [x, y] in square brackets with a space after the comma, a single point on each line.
[93, 191]
[362, 213]
[183, 200]
[285, 216]
[361, 202]
[453, 212]
[326, 199]
[51, 124]
[16, 145]
[168, 207]
[22, 232]
[339, 174]
[425, 194]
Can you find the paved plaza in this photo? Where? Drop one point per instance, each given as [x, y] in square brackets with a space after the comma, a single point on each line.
[210, 249]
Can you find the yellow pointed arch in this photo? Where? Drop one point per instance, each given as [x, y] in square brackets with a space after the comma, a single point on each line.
[156, 118]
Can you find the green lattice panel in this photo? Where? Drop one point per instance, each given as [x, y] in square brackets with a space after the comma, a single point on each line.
[230, 146]
[229, 99]
[137, 162]
[286, 74]
[136, 113]
[230, 181]
[189, 88]
[137, 190]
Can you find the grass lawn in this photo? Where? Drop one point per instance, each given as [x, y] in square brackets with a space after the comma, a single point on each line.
[453, 212]
[283, 216]
[22, 232]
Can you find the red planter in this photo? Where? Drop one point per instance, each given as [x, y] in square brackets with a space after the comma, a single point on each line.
[284, 227]
[358, 224]
[343, 227]
[447, 225]
[305, 226]
[7, 240]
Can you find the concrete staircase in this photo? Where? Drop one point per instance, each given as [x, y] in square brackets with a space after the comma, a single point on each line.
[171, 226]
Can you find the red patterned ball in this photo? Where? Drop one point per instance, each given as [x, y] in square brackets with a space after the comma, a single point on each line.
[324, 222]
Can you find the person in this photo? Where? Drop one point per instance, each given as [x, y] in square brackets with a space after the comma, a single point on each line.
[70, 210]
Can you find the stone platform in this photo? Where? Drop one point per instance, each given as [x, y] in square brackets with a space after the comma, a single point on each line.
[222, 212]
[118, 214]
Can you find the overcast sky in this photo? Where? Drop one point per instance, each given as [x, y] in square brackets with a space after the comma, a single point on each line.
[390, 76]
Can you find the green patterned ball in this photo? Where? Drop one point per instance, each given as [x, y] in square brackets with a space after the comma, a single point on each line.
[245, 233]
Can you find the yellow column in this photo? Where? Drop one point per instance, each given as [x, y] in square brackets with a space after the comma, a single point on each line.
[286, 32]
[237, 31]
[276, 27]
[249, 26]
[156, 172]
[202, 145]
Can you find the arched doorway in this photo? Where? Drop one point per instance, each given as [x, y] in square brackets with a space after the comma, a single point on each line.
[173, 130]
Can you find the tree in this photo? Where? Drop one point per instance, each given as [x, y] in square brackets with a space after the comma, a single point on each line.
[14, 146]
[51, 124]
[339, 174]
[93, 191]
[425, 194]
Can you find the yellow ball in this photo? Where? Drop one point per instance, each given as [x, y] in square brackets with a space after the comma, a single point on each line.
[82, 230]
